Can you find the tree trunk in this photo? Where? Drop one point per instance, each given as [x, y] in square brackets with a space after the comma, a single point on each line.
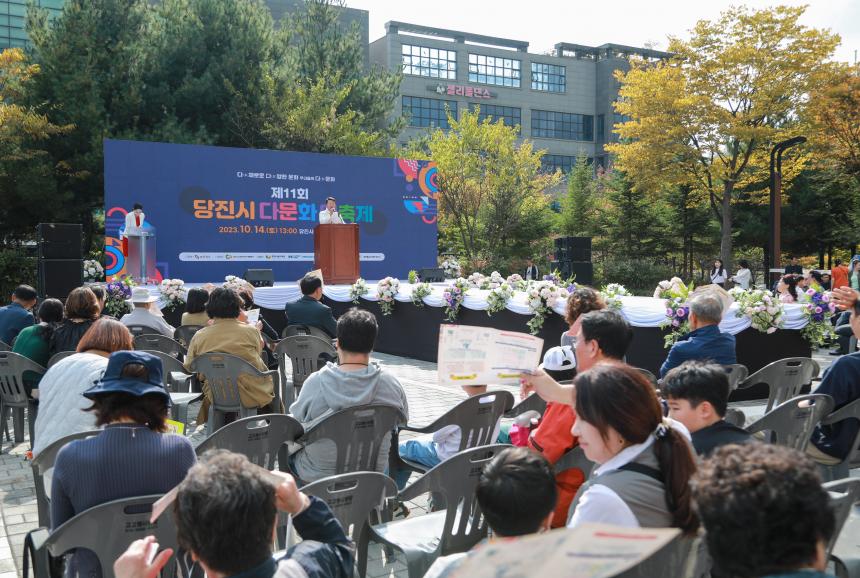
[726, 226]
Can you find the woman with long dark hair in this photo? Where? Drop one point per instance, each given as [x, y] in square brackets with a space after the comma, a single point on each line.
[34, 342]
[718, 273]
[644, 459]
[195, 307]
[787, 288]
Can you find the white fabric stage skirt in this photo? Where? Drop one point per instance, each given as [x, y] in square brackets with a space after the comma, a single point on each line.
[639, 311]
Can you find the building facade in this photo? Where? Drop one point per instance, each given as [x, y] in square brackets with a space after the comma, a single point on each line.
[561, 101]
[13, 18]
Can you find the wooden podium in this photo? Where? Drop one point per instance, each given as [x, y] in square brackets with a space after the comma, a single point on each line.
[336, 253]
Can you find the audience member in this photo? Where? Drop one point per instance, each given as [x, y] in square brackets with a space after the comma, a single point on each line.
[705, 340]
[354, 381]
[839, 274]
[246, 293]
[34, 342]
[433, 449]
[82, 310]
[146, 313]
[309, 310]
[582, 300]
[841, 381]
[764, 512]
[601, 336]
[516, 493]
[101, 297]
[195, 307]
[62, 406]
[16, 316]
[228, 334]
[130, 457]
[225, 514]
[854, 274]
[698, 397]
[531, 273]
[644, 460]
[718, 273]
[795, 268]
[743, 277]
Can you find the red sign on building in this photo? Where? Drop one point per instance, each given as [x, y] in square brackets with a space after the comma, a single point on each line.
[461, 90]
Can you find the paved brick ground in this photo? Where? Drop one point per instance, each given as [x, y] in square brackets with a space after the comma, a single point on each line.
[427, 400]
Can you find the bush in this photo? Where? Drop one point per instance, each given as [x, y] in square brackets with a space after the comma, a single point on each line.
[639, 277]
[16, 267]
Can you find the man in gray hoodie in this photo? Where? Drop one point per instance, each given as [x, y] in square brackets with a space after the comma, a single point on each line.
[353, 381]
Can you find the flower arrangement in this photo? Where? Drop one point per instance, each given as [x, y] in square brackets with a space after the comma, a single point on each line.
[613, 293]
[762, 307]
[541, 298]
[117, 293]
[517, 282]
[237, 284]
[173, 293]
[413, 276]
[454, 295]
[452, 268]
[419, 292]
[358, 289]
[498, 298]
[818, 311]
[385, 292]
[494, 281]
[675, 293]
[476, 280]
[93, 271]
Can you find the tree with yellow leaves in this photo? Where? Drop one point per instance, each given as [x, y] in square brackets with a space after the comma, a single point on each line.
[707, 118]
[836, 118]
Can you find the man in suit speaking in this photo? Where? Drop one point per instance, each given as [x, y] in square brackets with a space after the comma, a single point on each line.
[329, 215]
[308, 310]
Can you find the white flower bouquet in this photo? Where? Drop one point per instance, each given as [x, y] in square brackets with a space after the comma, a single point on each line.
[385, 292]
[498, 297]
[358, 289]
[173, 293]
[93, 271]
[419, 292]
[476, 280]
[541, 298]
[517, 282]
[763, 308]
[452, 268]
[613, 293]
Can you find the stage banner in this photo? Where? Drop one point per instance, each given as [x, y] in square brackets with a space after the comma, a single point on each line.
[217, 211]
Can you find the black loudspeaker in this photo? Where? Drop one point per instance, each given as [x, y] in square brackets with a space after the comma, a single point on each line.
[57, 277]
[59, 241]
[584, 272]
[431, 275]
[563, 268]
[579, 249]
[260, 277]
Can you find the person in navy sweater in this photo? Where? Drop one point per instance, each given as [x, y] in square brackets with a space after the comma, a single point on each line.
[225, 513]
[705, 342]
[17, 316]
[130, 457]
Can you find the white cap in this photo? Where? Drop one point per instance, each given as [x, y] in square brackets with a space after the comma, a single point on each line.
[559, 358]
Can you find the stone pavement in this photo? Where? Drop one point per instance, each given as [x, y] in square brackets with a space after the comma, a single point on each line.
[427, 401]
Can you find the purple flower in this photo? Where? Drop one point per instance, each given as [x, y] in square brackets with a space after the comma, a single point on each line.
[669, 312]
[681, 312]
[818, 310]
[810, 291]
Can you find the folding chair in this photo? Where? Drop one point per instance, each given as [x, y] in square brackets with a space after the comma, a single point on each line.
[44, 462]
[850, 411]
[357, 434]
[737, 374]
[574, 458]
[532, 402]
[222, 372]
[304, 352]
[353, 498]
[844, 496]
[136, 330]
[791, 423]
[455, 529]
[476, 417]
[785, 378]
[260, 438]
[107, 530]
[58, 357]
[13, 394]
[152, 342]
[184, 333]
[291, 330]
[4, 346]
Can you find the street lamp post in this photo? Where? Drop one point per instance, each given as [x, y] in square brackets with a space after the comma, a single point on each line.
[773, 255]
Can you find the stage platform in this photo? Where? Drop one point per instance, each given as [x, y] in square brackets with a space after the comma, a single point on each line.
[413, 331]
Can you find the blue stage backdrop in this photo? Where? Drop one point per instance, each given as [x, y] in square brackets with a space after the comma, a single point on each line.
[217, 211]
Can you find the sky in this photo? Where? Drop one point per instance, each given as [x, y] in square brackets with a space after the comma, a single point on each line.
[543, 23]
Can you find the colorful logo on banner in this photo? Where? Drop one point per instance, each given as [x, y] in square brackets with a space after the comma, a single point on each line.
[422, 202]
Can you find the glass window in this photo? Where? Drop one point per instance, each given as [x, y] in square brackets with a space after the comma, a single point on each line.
[429, 112]
[430, 62]
[601, 127]
[510, 114]
[548, 77]
[492, 70]
[550, 163]
[562, 125]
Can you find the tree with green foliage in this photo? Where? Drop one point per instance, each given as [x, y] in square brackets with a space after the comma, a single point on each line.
[494, 191]
[577, 207]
